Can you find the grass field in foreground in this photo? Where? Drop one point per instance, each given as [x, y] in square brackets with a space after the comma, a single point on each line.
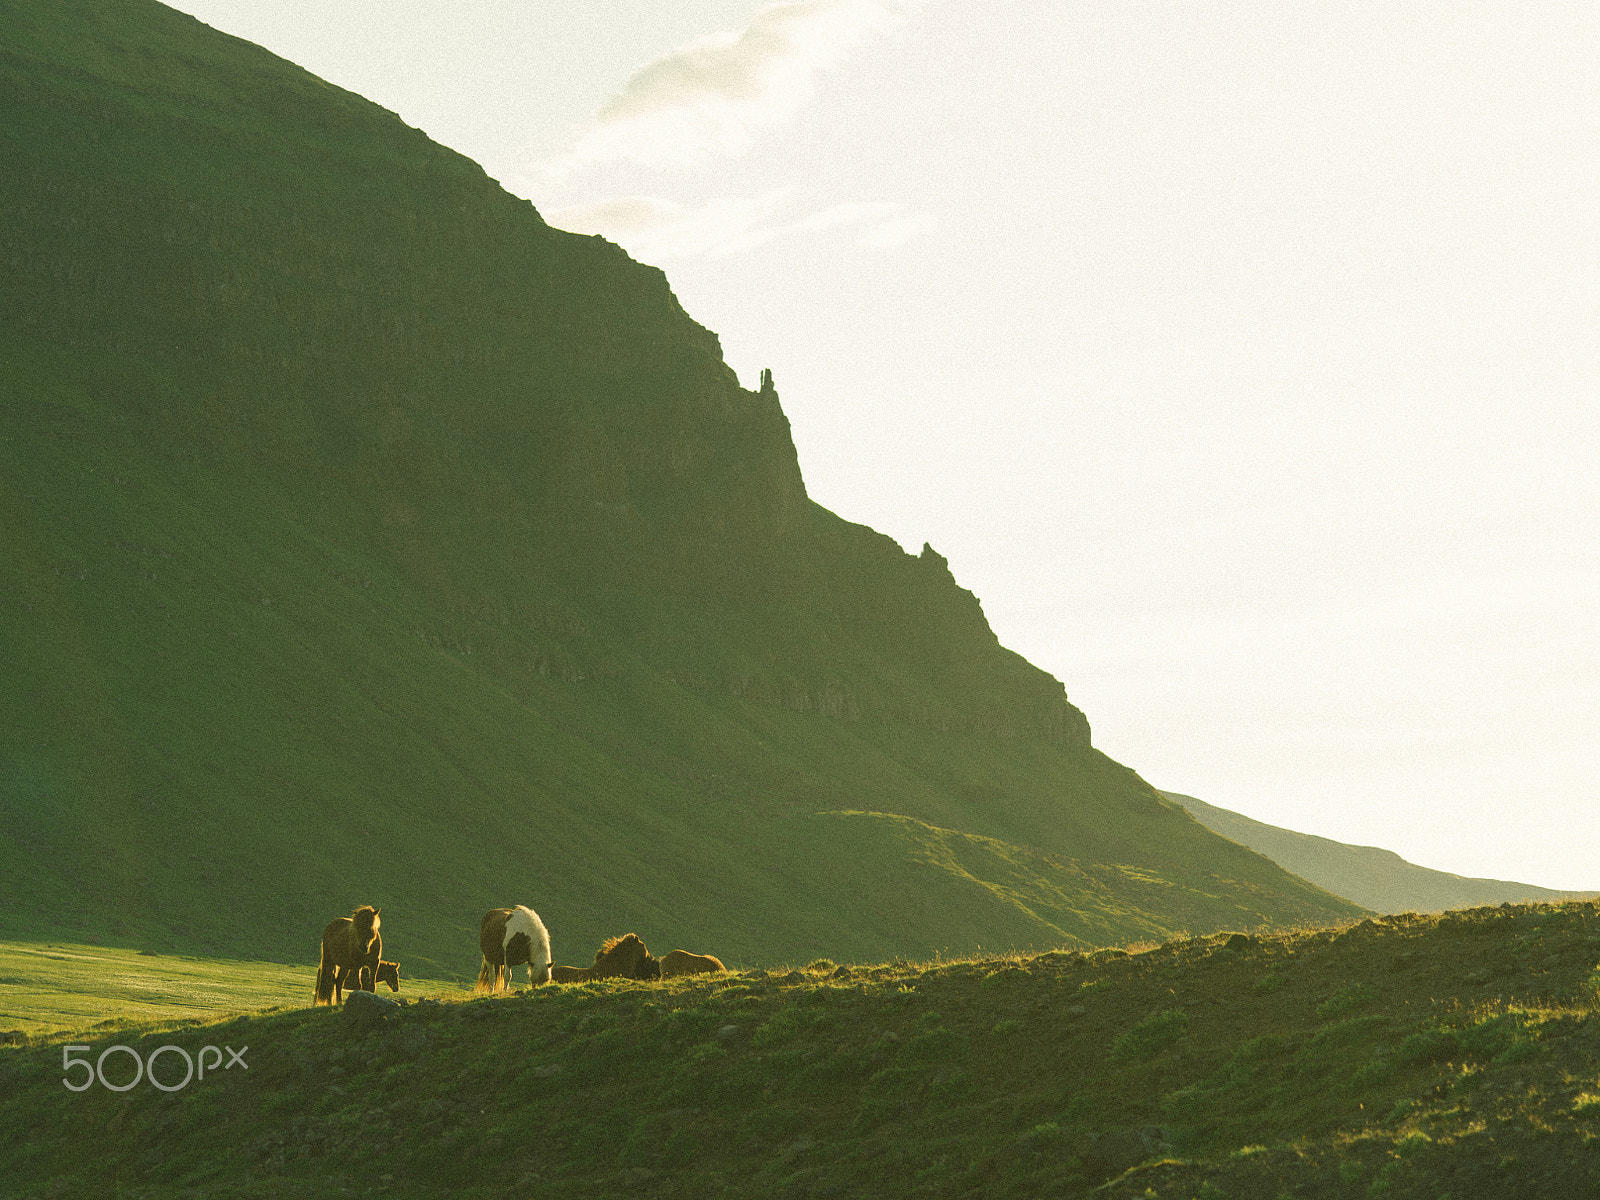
[1410, 1057]
[49, 987]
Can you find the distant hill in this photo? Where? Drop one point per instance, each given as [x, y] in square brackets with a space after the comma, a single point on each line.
[1377, 879]
[363, 539]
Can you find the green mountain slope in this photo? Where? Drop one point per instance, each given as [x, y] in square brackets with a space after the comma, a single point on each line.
[1377, 879]
[365, 540]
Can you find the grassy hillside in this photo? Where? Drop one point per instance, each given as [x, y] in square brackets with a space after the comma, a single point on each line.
[1409, 1057]
[1377, 879]
[365, 540]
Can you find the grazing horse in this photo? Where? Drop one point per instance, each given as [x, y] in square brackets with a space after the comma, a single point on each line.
[388, 972]
[508, 937]
[349, 944]
[626, 957]
[681, 962]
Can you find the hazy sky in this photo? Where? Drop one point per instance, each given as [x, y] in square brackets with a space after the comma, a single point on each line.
[1243, 358]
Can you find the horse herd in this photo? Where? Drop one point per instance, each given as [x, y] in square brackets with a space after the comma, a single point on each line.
[352, 955]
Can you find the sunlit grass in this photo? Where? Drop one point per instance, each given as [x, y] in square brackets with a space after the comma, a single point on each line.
[48, 987]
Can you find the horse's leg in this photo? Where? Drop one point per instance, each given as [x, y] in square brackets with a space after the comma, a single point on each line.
[327, 971]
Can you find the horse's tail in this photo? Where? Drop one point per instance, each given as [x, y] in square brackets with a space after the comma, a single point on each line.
[488, 976]
[326, 973]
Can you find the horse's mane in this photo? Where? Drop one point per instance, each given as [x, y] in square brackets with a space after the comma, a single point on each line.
[629, 949]
[611, 944]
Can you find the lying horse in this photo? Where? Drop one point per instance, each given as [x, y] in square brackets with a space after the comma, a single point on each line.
[509, 937]
[624, 957]
[388, 972]
[349, 944]
[681, 962]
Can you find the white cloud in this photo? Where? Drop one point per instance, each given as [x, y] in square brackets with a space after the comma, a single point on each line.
[711, 96]
[897, 231]
[655, 230]
[845, 214]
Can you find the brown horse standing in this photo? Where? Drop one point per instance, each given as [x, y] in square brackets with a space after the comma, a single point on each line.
[509, 937]
[349, 943]
[625, 957]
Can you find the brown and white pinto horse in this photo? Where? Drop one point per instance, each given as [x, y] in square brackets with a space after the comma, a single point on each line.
[509, 937]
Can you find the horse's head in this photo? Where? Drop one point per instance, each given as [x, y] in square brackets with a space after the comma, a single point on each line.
[388, 972]
[640, 963]
[629, 957]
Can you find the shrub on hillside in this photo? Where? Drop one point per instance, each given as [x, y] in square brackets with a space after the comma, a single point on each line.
[1430, 1045]
[1412, 1143]
[1268, 984]
[886, 1094]
[830, 1074]
[1003, 976]
[934, 1045]
[1505, 1037]
[690, 1023]
[948, 1089]
[785, 1025]
[1335, 1046]
[1151, 1036]
[1346, 1001]
[1245, 1080]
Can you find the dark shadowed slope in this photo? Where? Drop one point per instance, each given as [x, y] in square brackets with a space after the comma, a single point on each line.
[365, 540]
[1377, 879]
